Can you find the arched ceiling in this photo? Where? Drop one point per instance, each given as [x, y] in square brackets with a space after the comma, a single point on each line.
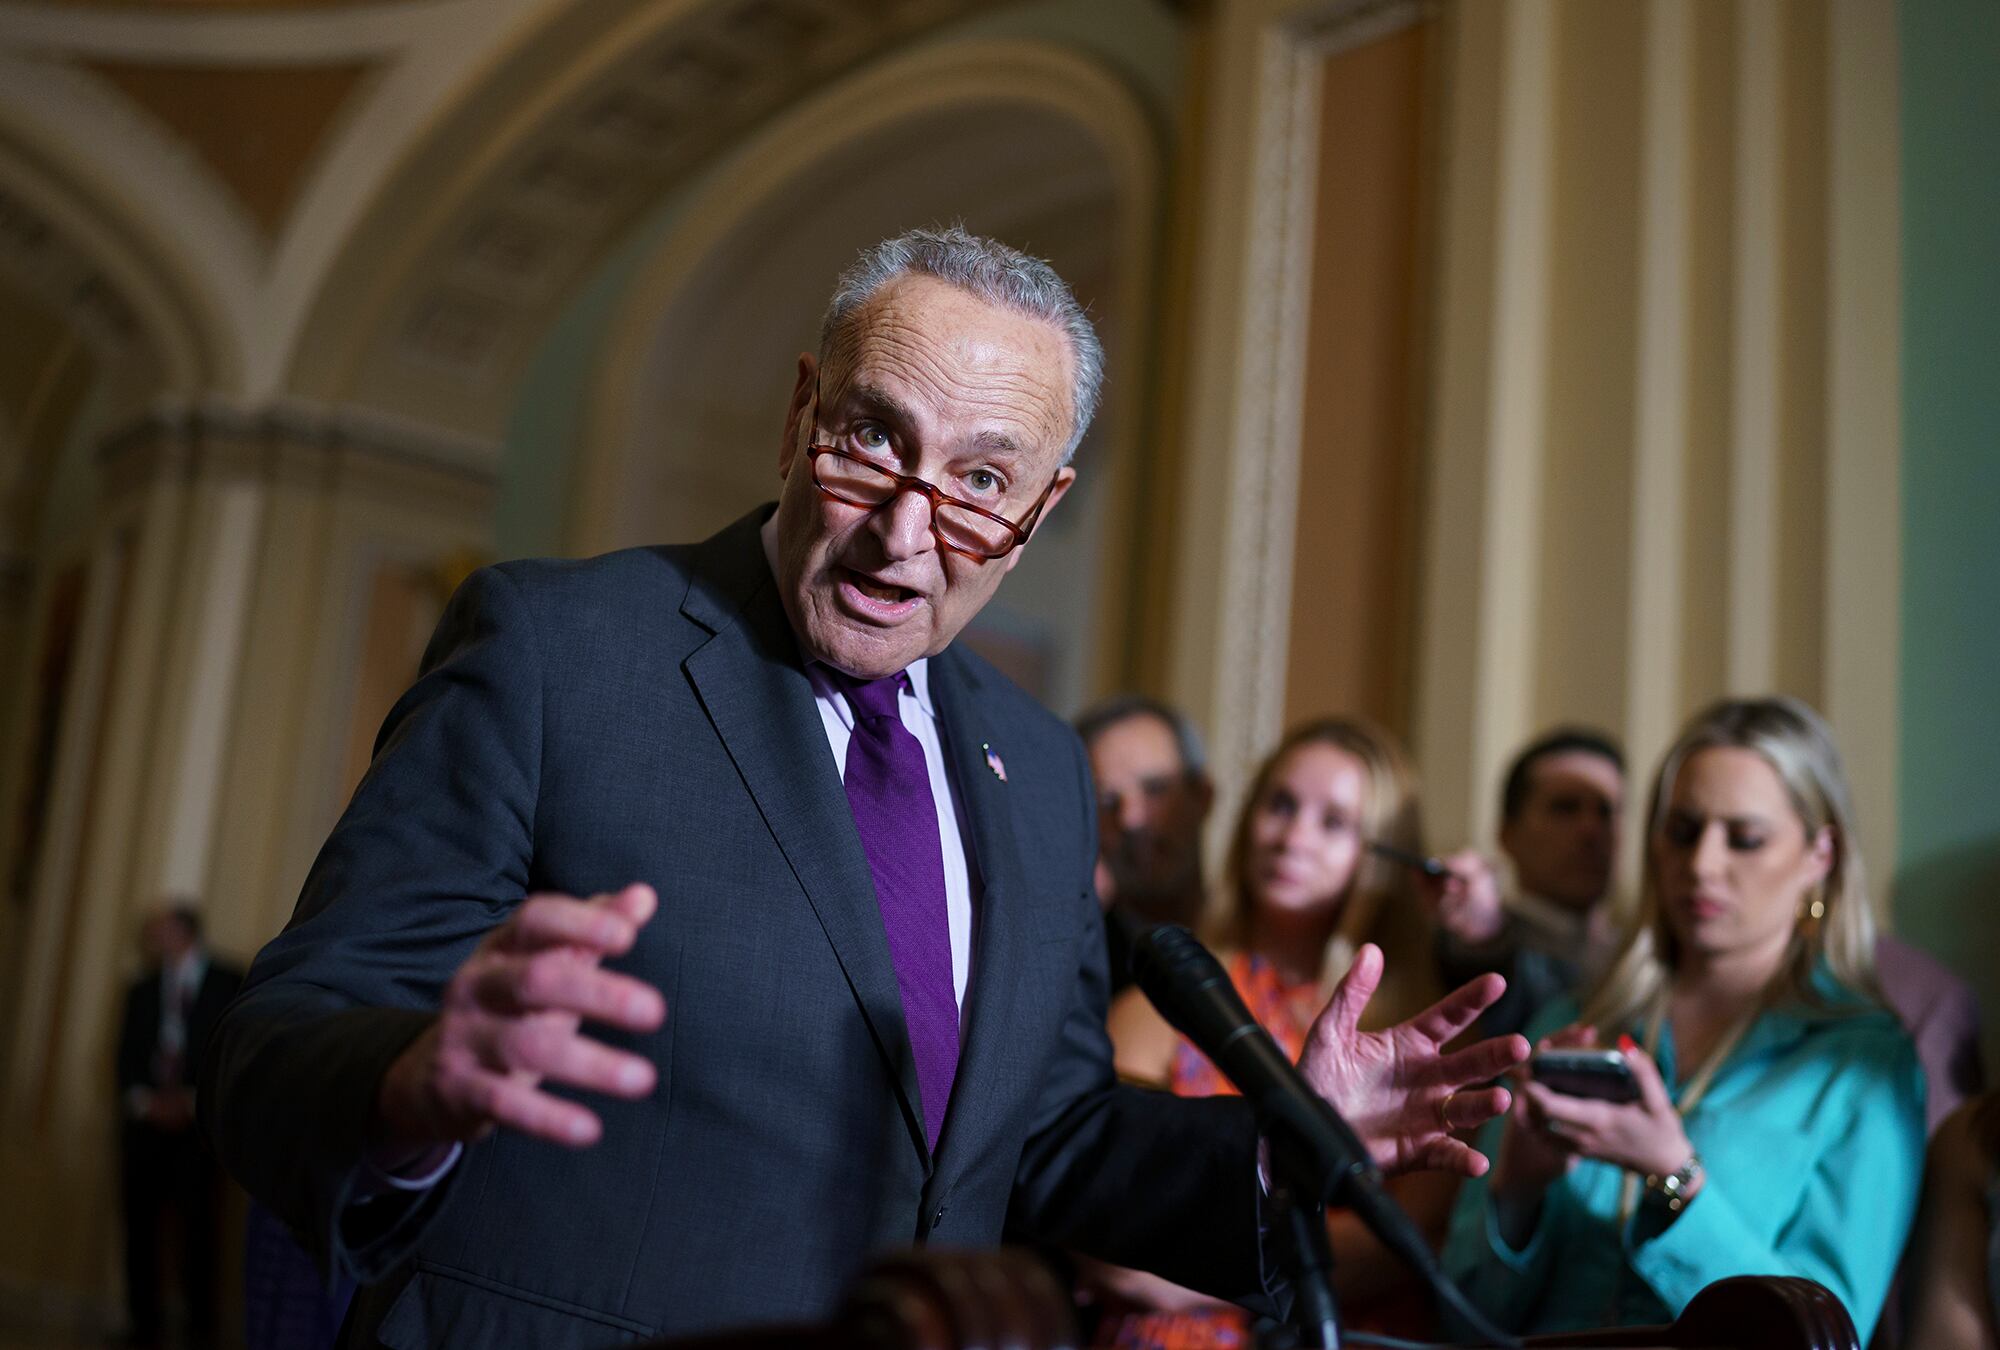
[45, 375]
[485, 233]
[382, 204]
[387, 201]
[259, 131]
[244, 141]
[208, 5]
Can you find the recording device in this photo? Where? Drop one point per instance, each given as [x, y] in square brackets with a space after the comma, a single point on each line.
[1416, 862]
[1600, 1074]
[1315, 1151]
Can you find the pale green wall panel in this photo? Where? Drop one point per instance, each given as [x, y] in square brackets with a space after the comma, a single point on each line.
[1948, 874]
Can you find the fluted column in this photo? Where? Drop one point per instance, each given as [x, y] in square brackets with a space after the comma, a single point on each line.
[230, 652]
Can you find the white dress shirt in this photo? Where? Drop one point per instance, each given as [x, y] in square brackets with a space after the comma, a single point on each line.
[913, 702]
[180, 982]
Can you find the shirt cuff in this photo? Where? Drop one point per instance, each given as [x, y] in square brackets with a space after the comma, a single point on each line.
[418, 1174]
[1520, 1260]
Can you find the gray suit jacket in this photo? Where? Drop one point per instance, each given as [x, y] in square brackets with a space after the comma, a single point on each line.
[646, 716]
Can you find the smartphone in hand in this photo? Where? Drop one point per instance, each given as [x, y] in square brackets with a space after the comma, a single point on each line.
[1601, 1074]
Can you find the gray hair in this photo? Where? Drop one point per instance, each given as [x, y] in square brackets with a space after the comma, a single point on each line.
[995, 272]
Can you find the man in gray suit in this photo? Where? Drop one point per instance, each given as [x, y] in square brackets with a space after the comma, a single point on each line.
[709, 921]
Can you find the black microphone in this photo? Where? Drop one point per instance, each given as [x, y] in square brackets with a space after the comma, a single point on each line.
[1194, 993]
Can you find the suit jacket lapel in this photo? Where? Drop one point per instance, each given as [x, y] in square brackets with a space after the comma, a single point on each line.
[752, 685]
[1000, 932]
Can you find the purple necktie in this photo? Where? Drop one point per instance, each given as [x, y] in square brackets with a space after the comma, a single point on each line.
[889, 791]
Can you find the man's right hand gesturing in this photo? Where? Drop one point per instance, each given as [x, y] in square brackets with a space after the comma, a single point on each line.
[511, 1017]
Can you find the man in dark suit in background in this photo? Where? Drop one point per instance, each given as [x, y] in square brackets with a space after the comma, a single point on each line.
[1153, 798]
[754, 782]
[170, 1013]
[1561, 809]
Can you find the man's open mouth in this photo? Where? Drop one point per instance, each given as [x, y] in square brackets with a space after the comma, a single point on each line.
[880, 591]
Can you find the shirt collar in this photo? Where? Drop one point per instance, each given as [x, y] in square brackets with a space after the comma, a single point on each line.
[187, 972]
[1781, 1025]
[918, 670]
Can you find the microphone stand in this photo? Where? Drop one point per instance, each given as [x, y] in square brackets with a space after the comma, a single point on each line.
[1300, 1215]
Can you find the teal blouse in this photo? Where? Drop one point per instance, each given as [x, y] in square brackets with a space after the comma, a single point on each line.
[1812, 1134]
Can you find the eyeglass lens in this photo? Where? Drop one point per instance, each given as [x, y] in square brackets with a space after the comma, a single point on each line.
[865, 485]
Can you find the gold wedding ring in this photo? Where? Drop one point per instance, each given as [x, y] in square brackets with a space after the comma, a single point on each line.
[1444, 1109]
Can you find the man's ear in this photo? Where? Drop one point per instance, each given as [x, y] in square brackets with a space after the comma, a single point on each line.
[797, 411]
[1064, 477]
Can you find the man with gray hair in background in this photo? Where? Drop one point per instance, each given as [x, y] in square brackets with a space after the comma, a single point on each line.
[710, 921]
[1153, 798]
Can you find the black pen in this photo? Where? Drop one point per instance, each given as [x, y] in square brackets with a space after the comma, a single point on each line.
[1416, 862]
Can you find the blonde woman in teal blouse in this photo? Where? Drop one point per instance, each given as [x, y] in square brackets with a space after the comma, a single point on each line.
[1780, 1128]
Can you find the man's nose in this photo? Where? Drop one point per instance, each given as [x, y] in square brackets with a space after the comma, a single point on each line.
[903, 523]
[1132, 811]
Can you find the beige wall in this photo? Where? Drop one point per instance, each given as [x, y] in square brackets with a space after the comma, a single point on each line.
[1645, 415]
[1353, 611]
[1652, 237]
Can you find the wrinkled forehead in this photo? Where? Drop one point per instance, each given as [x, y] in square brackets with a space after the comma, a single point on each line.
[938, 354]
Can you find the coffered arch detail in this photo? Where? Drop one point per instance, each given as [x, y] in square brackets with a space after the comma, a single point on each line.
[482, 234]
[117, 285]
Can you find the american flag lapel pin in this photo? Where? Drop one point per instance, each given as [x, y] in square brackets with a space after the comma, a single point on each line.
[994, 762]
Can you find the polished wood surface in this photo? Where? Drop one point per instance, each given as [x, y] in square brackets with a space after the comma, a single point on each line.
[931, 1300]
[1008, 1300]
[1752, 1312]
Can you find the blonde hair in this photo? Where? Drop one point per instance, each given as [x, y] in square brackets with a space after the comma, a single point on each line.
[1795, 741]
[1380, 905]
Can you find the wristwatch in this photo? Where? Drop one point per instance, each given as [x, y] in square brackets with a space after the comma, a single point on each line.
[1672, 1189]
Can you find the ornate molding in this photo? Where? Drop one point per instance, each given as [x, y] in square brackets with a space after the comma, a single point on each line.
[1327, 29]
[42, 259]
[1253, 637]
[183, 428]
[485, 278]
[1263, 496]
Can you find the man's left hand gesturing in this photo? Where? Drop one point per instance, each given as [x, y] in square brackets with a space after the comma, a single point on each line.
[1401, 1090]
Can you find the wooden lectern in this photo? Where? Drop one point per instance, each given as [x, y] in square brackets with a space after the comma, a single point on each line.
[1008, 1300]
[929, 1299]
[1750, 1311]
